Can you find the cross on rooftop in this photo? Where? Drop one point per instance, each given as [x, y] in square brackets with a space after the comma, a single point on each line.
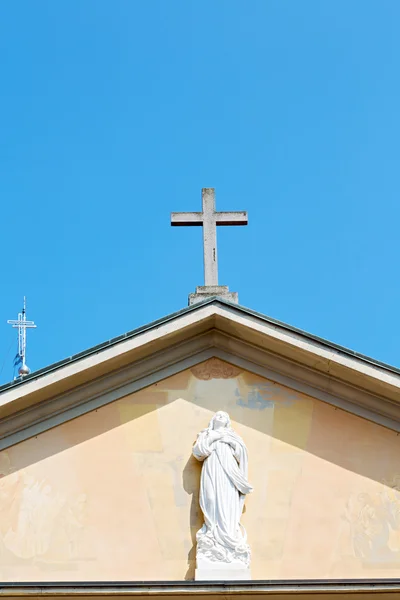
[209, 219]
[22, 324]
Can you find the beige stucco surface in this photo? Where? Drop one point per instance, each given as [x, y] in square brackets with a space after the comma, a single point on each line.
[113, 494]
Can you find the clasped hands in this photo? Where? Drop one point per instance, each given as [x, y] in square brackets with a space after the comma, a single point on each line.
[215, 436]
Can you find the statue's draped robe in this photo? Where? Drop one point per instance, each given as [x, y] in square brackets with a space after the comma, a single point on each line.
[222, 492]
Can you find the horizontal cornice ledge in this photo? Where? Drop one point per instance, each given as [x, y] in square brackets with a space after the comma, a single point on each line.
[354, 589]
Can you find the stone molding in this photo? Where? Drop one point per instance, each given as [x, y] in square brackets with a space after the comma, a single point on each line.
[272, 590]
[225, 332]
[160, 365]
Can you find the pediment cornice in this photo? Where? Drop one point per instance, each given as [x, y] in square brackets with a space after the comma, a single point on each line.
[267, 348]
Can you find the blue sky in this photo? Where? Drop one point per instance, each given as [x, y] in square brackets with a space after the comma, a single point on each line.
[113, 114]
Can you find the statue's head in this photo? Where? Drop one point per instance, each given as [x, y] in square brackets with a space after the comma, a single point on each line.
[220, 420]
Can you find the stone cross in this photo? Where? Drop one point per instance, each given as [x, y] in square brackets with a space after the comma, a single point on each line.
[209, 219]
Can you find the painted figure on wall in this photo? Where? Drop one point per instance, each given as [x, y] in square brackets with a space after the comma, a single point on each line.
[37, 522]
[374, 520]
[223, 489]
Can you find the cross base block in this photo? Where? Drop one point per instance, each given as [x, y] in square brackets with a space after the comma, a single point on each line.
[208, 291]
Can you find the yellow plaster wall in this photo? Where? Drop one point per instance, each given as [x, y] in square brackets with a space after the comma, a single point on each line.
[113, 495]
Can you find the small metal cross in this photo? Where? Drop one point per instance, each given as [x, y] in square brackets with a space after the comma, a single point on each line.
[22, 325]
[209, 219]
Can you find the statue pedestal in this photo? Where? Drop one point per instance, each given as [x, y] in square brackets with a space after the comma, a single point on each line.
[208, 570]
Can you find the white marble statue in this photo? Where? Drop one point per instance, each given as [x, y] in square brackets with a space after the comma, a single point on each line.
[222, 541]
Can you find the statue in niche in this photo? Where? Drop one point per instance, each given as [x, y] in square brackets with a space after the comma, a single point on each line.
[223, 488]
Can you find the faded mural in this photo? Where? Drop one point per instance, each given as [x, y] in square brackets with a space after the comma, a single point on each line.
[113, 494]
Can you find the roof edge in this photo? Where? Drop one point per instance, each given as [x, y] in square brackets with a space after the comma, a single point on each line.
[213, 300]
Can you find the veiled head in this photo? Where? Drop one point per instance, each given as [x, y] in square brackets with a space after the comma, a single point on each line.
[220, 420]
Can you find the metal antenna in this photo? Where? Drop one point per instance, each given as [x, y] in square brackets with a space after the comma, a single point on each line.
[22, 325]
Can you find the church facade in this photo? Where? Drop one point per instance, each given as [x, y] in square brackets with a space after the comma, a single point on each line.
[99, 485]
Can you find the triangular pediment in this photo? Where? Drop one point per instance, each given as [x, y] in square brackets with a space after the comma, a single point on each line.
[111, 492]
